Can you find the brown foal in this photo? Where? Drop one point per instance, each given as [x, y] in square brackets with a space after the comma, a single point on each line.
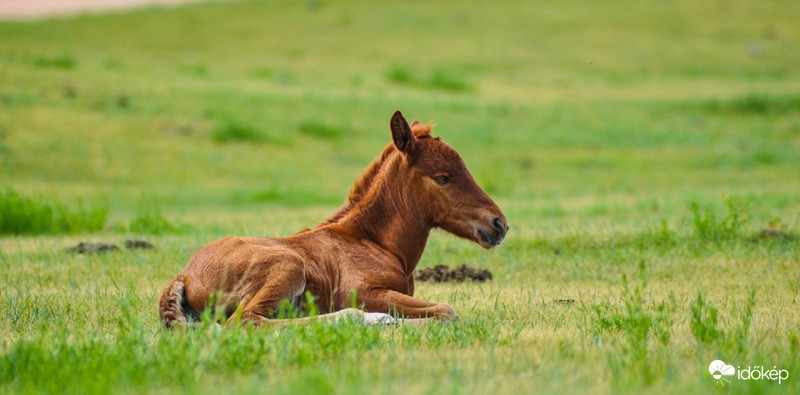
[367, 251]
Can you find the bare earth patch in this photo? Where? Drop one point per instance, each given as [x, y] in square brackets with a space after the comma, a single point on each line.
[91, 248]
[442, 273]
[32, 9]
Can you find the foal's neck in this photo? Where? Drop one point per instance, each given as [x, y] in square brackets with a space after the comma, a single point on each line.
[390, 217]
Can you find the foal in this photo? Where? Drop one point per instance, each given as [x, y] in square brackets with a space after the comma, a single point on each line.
[367, 250]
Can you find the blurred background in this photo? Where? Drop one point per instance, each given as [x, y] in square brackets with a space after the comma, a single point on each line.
[646, 154]
[214, 111]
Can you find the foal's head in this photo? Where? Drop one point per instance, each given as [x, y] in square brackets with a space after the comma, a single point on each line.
[446, 193]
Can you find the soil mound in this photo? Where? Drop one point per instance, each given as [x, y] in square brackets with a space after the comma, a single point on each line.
[138, 244]
[91, 248]
[775, 234]
[460, 273]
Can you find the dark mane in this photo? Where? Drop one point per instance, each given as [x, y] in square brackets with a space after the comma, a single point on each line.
[362, 185]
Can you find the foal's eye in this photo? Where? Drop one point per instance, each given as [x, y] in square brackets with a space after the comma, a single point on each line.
[441, 179]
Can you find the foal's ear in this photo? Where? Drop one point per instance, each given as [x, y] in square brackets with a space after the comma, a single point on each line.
[402, 136]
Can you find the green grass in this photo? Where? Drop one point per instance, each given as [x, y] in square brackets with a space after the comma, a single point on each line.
[150, 220]
[320, 129]
[441, 78]
[640, 151]
[23, 215]
[57, 62]
[233, 131]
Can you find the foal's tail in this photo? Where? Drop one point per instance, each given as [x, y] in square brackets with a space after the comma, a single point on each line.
[172, 307]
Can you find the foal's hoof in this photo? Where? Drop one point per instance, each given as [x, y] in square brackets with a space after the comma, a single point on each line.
[445, 313]
[450, 318]
[378, 319]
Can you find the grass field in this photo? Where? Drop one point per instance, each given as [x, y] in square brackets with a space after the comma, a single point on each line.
[639, 149]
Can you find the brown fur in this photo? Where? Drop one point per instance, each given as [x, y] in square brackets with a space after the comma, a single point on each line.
[169, 306]
[369, 247]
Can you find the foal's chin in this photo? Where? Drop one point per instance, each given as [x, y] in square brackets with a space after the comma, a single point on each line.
[484, 238]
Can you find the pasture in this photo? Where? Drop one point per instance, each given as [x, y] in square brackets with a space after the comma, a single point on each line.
[647, 157]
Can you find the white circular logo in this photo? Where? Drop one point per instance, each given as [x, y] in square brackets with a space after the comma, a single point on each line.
[718, 369]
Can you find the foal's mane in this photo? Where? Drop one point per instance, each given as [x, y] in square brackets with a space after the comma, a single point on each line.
[362, 185]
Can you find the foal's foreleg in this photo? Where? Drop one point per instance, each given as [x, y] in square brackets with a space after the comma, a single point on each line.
[410, 309]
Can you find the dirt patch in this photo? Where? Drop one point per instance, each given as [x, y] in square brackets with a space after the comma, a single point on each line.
[28, 9]
[460, 273]
[138, 245]
[91, 248]
[775, 234]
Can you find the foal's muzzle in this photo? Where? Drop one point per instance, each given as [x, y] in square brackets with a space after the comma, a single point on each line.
[489, 238]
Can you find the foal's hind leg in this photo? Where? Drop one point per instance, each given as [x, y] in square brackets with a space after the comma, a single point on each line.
[282, 280]
[286, 280]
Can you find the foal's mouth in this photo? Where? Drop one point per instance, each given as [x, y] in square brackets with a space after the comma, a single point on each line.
[490, 241]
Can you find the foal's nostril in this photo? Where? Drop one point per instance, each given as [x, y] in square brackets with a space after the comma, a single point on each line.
[500, 226]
